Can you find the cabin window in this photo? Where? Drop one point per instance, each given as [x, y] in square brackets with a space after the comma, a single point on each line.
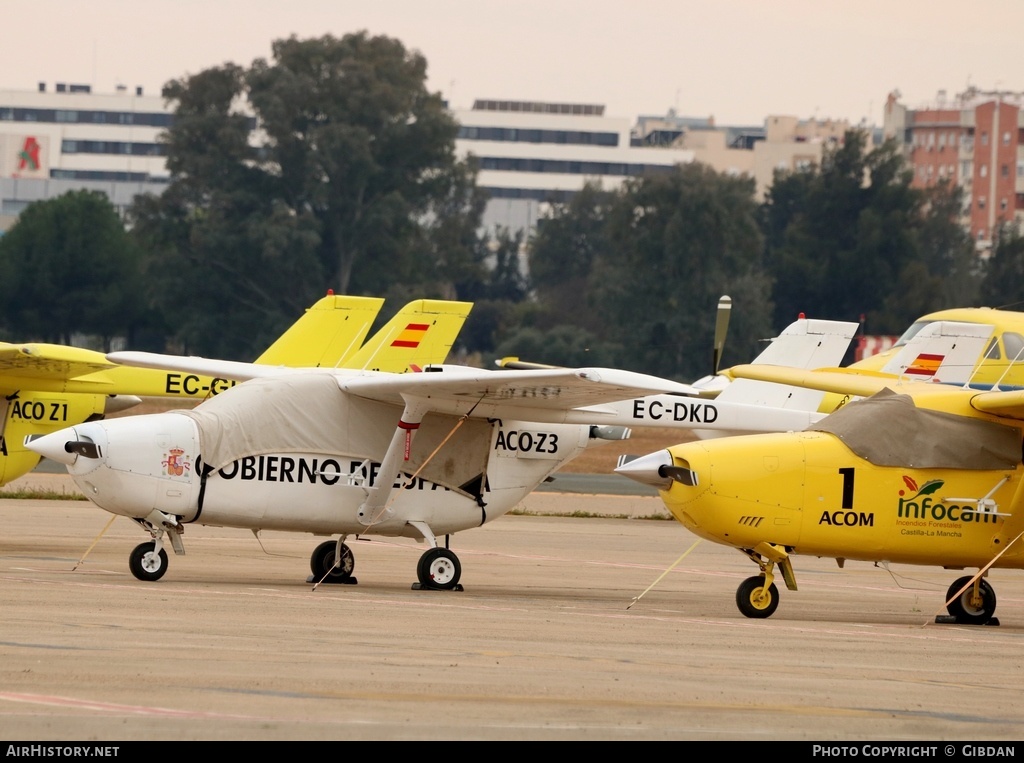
[1013, 344]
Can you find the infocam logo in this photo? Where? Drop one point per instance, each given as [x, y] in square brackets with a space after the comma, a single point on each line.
[921, 505]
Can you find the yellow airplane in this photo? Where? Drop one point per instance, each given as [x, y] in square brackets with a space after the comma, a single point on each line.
[908, 472]
[998, 363]
[47, 387]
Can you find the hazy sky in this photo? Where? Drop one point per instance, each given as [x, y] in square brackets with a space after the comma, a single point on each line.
[736, 60]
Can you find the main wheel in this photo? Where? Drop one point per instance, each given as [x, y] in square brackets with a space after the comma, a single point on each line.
[146, 564]
[966, 611]
[321, 562]
[439, 568]
[751, 600]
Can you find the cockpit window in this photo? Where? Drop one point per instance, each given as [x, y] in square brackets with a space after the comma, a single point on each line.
[911, 332]
[992, 353]
[1013, 344]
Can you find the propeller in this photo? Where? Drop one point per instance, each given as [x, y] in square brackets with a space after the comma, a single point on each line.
[715, 382]
[721, 329]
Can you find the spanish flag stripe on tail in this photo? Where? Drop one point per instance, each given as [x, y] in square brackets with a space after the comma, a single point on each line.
[925, 364]
[411, 335]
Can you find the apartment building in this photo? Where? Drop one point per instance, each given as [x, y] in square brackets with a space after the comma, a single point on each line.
[975, 140]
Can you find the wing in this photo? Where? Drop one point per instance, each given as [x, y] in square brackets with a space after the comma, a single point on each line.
[842, 381]
[941, 352]
[421, 334]
[53, 368]
[549, 395]
[234, 370]
[332, 328]
[1006, 404]
[944, 351]
[805, 344]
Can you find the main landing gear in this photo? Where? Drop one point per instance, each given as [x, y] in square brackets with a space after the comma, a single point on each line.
[438, 568]
[322, 563]
[974, 605]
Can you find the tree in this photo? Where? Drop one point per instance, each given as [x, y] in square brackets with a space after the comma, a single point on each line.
[562, 254]
[329, 166]
[842, 233]
[853, 238]
[68, 266]
[1003, 282]
[675, 243]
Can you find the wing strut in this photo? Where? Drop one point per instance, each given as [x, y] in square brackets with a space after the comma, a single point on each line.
[377, 506]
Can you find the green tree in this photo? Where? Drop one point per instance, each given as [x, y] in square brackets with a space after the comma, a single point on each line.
[840, 235]
[675, 243]
[852, 238]
[1003, 283]
[561, 258]
[329, 166]
[68, 266]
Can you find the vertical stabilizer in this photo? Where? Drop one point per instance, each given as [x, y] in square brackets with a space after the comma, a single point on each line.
[326, 335]
[421, 333]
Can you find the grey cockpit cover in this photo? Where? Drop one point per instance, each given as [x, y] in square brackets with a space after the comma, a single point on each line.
[887, 429]
[309, 413]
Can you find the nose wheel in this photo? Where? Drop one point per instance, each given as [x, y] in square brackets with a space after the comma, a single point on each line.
[146, 563]
[755, 600]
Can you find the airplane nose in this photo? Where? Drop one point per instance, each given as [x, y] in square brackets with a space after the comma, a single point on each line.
[63, 446]
[656, 469]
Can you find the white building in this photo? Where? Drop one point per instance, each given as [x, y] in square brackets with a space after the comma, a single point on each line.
[66, 137]
[534, 153]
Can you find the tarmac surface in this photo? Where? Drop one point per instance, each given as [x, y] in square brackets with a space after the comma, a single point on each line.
[567, 628]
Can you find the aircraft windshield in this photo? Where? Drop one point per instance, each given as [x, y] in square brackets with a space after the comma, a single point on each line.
[887, 429]
[911, 332]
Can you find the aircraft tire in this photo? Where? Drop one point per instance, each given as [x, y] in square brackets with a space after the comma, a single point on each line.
[147, 565]
[747, 598]
[439, 568]
[321, 562]
[961, 607]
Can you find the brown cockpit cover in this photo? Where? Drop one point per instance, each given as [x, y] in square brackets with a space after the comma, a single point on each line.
[887, 429]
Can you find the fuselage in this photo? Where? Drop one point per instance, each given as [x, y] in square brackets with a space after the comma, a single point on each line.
[808, 492]
[919, 477]
[155, 462]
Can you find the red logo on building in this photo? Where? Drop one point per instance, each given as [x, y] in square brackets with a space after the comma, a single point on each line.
[28, 157]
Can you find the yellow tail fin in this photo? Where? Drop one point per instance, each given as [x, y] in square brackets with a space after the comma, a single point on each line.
[322, 337]
[420, 334]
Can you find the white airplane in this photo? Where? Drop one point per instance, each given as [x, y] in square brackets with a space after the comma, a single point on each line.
[341, 452]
